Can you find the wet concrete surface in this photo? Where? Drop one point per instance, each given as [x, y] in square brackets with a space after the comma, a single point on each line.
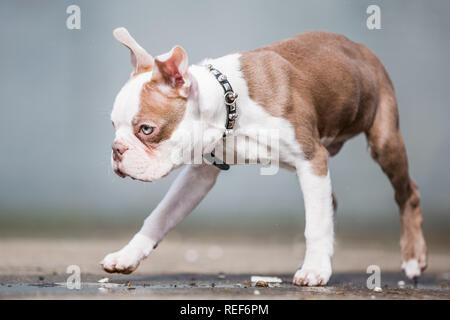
[213, 267]
[220, 286]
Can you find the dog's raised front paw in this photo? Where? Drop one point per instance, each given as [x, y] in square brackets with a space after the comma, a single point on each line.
[125, 260]
[129, 257]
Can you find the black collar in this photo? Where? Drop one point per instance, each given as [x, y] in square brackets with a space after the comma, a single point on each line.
[230, 98]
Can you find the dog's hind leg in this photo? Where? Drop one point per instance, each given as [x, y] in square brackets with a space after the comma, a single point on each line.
[388, 149]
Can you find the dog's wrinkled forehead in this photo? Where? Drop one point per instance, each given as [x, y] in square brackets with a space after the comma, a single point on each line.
[128, 100]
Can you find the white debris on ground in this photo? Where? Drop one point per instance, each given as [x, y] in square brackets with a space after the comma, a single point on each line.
[378, 289]
[256, 292]
[401, 284]
[103, 280]
[266, 279]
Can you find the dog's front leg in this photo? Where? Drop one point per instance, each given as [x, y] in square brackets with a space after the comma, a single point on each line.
[184, 195]
[319, 232]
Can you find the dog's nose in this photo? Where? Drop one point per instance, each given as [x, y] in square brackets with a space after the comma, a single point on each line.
[118, 150]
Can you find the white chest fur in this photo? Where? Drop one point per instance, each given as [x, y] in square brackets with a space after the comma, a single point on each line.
[258, 137]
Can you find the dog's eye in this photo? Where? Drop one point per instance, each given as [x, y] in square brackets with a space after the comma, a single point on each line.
[145, 129]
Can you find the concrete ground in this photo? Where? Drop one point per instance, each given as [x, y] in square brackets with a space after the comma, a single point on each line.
[212, 266]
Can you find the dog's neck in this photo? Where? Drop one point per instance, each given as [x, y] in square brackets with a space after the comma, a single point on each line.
[206, 100]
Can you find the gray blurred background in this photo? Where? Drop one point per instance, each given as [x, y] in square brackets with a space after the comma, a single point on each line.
[58, 86]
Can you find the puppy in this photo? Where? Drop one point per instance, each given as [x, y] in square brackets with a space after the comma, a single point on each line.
[317, 90]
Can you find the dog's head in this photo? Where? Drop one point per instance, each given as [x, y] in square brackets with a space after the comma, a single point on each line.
[148, 111]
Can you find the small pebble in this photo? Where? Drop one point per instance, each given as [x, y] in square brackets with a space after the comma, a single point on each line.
[378, 289]
[256, 292]
[261, 284]
[401, 284]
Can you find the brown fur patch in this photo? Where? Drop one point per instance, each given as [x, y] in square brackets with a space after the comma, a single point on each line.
[323, 83]
[166, 111]
[320, 161]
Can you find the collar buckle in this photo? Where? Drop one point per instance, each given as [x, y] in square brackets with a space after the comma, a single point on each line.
[230, 98]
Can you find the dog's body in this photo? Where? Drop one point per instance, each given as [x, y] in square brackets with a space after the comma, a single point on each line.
[317, 89]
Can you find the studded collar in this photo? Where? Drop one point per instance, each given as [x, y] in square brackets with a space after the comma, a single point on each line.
[230, 98]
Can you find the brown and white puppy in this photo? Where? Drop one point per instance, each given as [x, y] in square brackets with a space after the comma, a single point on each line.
[317, 90]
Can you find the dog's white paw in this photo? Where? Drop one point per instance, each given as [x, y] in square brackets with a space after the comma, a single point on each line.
[411, 268]
[125, 260]
[129, 257]
[313, 273]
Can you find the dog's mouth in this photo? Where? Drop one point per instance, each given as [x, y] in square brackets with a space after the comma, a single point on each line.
[120, 173]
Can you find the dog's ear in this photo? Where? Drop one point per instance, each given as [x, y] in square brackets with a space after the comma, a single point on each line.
[172, 69]
[140, 59]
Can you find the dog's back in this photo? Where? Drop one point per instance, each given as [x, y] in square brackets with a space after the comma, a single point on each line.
[333, 81]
